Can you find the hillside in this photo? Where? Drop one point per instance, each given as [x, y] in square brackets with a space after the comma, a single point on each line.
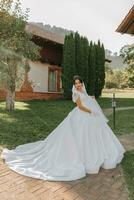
[54, 29]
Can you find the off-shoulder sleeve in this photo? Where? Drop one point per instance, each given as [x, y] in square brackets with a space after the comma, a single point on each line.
[75, 96]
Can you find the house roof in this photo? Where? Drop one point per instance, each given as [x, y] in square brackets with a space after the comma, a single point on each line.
[38, 30]
[127, 25]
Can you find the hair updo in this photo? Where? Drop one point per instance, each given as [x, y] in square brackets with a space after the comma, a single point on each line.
[77, 77]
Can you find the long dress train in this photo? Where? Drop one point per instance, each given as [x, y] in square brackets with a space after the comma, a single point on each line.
[82, 143]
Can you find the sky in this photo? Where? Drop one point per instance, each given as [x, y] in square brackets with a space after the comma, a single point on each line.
[95, 19]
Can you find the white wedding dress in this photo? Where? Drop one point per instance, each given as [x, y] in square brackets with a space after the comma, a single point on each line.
[82, 143]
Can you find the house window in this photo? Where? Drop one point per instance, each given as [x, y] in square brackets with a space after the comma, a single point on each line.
[52, 86]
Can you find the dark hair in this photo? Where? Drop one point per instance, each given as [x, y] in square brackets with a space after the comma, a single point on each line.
[77, 77]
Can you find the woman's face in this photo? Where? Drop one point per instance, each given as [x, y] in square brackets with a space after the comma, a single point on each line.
[78, 84]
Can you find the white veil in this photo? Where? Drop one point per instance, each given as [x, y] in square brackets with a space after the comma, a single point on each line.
[94, 106]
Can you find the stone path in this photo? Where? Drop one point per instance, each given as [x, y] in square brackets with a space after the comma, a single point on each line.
[107, 185]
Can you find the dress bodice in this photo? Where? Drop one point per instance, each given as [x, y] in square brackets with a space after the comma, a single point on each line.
[85, 98]
[90, 103]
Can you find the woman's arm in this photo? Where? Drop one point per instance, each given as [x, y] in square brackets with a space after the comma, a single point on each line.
[81, 107]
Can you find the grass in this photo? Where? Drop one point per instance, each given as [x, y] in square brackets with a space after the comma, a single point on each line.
[31, 121]
[124, 122]
[106, 102]
[128, 170]
[34, 120]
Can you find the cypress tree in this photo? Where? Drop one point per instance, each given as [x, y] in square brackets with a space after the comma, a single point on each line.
[68, 65]
[99, 69]
[88, 61]
[84, 59]
[102, 70]
[91, 69]
[81, 56]
[86, 54]
[77, 53]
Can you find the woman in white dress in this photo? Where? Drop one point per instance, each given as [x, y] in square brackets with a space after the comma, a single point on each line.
[81, 144]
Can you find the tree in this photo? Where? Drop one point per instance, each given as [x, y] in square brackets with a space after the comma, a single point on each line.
[84, 59]
[88, 61]
[102, 69]
[68, 65]
[16, 47]
[99, 69]
[77, 54]
[81, 56]
[128, 77]
[127, 52]
[91, 69]
[75, 61]
[114, 78]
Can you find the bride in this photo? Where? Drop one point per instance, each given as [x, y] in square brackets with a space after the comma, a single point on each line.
[81, 144]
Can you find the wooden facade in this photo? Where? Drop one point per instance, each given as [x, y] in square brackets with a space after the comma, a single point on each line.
[127, 25]
[44, 79]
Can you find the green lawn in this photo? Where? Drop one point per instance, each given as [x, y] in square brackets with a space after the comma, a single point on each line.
[124, 122]
[31, 121]
[125, 125]
[34, 120]
[106, 102]
[128, 170]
